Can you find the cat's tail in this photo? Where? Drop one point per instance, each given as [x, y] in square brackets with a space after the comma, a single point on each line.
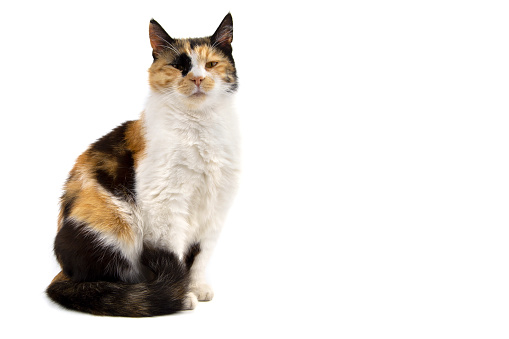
[167, 293]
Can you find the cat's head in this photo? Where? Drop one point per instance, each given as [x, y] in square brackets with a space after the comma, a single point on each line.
[194, 73]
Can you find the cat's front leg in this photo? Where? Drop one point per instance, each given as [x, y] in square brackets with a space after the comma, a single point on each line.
[199, 285]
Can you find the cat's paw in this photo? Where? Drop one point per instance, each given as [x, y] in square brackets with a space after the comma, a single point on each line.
[190, 302]
[202, 291]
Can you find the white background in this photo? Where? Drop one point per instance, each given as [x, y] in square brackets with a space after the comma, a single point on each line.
[374, 199]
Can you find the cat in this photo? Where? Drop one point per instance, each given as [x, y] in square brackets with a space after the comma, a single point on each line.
[144, 205]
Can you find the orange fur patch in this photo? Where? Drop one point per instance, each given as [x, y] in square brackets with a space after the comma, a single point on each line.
[161, 75]
[135, 138]
[96, 209]
[72, 187]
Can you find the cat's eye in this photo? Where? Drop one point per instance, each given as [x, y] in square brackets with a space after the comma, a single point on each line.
[177, 66]
[211, 64]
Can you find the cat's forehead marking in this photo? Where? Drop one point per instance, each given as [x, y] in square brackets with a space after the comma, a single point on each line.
[186, 46]
[199, 55]
[200, 49]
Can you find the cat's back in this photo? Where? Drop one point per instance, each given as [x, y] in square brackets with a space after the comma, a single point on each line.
[109, 165]
[98, 205]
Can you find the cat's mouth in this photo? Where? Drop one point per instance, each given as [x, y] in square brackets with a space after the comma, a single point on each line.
[198, 94]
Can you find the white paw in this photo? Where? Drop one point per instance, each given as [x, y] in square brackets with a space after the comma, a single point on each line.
[202, 291]
[190, 302]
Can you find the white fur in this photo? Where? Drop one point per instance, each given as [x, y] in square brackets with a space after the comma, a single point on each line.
[198, 70]
[130, 249]
[187, 180]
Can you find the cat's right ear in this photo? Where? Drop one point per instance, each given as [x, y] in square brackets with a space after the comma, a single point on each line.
[159, 39]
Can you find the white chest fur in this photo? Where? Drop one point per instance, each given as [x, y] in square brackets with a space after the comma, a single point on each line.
[187, 179]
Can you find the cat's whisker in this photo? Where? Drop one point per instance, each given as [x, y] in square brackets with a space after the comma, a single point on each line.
[173, 49]
[168, 44]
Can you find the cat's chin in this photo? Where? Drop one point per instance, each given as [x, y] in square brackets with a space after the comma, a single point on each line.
[197, 101]
[198, 97]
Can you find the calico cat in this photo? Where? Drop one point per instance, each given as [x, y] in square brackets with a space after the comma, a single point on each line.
[144, 205]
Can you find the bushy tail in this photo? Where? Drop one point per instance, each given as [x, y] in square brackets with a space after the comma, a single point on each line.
[165, 294]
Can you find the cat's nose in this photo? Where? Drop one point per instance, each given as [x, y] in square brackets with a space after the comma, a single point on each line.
[197, 80]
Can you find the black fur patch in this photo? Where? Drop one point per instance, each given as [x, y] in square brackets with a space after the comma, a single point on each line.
[183, 63]
[67, 203]
[191, 254]
[112, 148]
[164, 294]
[83, 257]
[121, 183]
[194, 42]
[111, 142]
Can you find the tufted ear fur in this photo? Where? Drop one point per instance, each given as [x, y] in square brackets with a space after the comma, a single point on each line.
[159, 39]
[223, 36]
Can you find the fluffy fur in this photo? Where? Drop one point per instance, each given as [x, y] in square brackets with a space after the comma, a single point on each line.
[144, 205]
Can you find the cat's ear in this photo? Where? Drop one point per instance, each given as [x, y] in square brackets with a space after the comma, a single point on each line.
[159, 39]
[223, 36]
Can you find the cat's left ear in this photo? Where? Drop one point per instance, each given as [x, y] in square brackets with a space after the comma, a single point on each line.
[159, 39]
[223, 36]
